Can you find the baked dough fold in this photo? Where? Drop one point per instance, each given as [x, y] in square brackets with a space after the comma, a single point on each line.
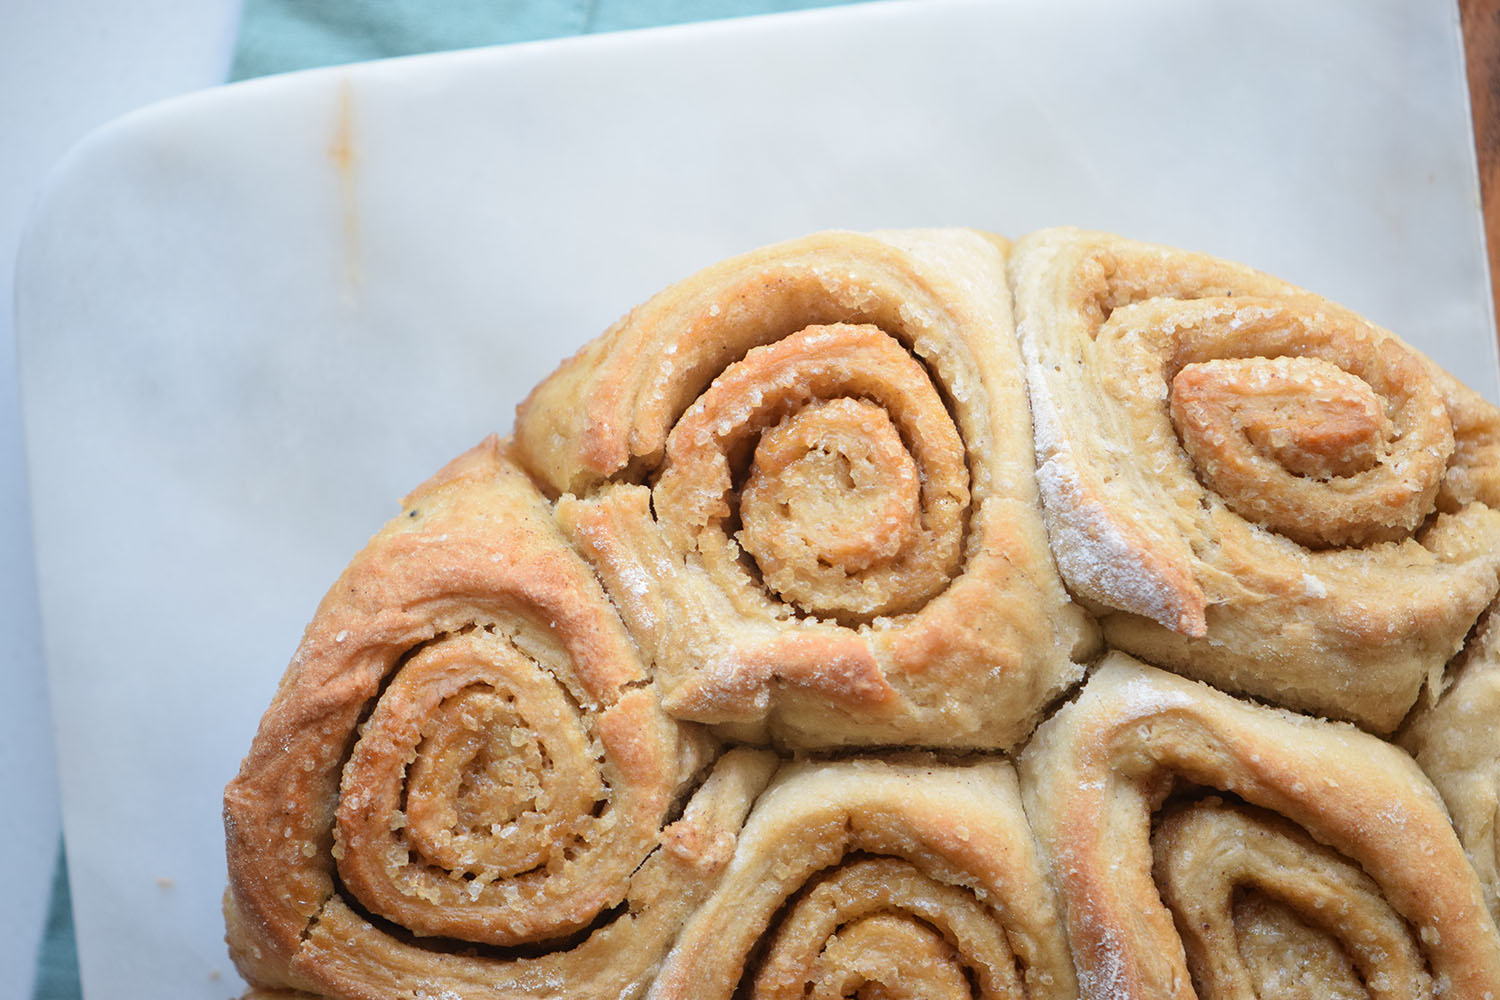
[909, 878]
[1457, 743]
[805, 477]
[1199, 842]
[1255, 486]
[464, 779]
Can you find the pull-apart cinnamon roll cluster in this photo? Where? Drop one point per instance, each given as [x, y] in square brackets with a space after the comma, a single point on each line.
[912, 615]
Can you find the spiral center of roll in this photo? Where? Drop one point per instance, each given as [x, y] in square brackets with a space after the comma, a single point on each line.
[1331, 437]
[1268, 933]
[474, 778]
[889, 956]
[1264, 906]
[1308, 415]
[832, 488]
[829, 459]
[482, 789]
[880, 928]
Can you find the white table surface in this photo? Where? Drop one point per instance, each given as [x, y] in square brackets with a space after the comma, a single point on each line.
[66, 66]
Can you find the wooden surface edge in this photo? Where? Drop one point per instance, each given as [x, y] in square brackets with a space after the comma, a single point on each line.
[1481, 27]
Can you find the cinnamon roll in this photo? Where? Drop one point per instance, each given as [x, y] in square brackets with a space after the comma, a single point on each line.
[805, 476]
[906, 879]
[464, 780]
[1253, 485]
[1205, 846]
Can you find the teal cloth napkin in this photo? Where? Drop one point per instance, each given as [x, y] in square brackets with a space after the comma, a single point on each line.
[278, 36]
[57, 958]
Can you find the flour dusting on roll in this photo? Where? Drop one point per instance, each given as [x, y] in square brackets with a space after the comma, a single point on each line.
[1253, 485]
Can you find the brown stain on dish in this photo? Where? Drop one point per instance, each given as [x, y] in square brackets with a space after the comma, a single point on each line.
[341, 153]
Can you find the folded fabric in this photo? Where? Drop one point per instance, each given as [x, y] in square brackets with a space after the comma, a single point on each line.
[278, 36]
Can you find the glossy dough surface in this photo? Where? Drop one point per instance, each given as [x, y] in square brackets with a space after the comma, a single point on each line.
[782, 652]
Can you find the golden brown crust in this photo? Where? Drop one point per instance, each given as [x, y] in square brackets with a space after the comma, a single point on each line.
[917, 877]
[1096, 773]
[804, 475]
[464, 747]
[1257, 487]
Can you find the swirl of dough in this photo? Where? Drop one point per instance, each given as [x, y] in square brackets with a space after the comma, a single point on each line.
[804, 476]
[1256, 487]
[1263, 908]
[465, 758]
[1334, 862]
[1342, 443]
[914, 879]
[473, 787]
[839, 518]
